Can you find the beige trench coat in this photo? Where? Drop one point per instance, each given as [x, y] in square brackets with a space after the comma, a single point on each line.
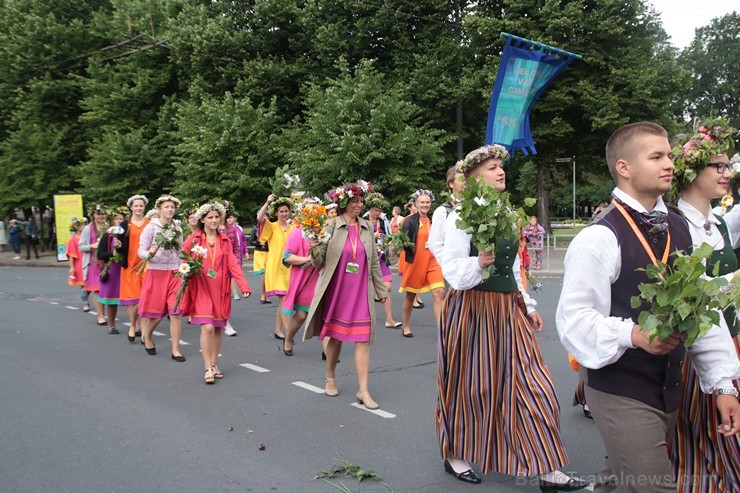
[327, 259]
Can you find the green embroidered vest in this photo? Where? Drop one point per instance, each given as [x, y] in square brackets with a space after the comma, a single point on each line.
[503, 280]
[727, 264]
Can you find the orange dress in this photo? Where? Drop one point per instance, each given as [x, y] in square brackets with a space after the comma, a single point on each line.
[74, 254]
[424, 273]
[130, 280]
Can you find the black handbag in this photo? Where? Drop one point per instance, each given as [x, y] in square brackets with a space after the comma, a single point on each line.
[254, 240]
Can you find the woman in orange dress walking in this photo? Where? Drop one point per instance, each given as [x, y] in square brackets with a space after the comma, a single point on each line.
[130, 280]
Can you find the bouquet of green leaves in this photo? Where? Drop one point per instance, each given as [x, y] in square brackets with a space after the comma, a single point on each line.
[682, 299]
[488, 216]
[284, 183]
[397, 242]
[167, 239]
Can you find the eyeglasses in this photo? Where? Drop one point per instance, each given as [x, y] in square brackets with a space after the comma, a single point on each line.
[721, 167]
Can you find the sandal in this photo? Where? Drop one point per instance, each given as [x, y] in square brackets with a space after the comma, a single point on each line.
[209, 377]
[331, 392]
[365, 399]
[86, 308]
[217, 373]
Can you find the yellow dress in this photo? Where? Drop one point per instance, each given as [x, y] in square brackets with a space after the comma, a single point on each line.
[277, 276]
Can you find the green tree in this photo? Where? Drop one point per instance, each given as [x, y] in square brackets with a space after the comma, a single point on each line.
[362, 126]
[713, 58]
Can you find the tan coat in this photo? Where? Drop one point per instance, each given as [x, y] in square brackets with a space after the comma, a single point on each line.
[327, 258]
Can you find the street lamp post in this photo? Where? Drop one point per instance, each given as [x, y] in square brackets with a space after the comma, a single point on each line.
[571, 160]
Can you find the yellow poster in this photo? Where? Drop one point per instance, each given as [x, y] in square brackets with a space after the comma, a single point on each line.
[65, 208]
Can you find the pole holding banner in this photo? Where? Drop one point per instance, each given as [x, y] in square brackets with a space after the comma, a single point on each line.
[527, 68]
[66, 207]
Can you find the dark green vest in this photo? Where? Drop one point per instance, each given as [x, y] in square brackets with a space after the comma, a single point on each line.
[727, 265]
[503, 280]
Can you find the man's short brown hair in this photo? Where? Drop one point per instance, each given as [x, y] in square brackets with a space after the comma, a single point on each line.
[621, 143]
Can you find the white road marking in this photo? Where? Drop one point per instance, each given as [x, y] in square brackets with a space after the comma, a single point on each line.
[52, 302]
[71, 307]
[308, 386]
[158, 333]
[256, 368]
[127, 324]
[379, 412]
[182, 342]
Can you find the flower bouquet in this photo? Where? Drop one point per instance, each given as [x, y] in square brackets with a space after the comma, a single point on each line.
[167, 239]
[113, 233]
[488, 216]
[534, 283]
[192, 265]
[397, 242]
[313, 224]
[284, 183]
[682, 299]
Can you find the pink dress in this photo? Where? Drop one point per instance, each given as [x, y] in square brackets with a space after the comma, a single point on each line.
[206, 299]
[302, 279]
[92, 281]
[346, 315]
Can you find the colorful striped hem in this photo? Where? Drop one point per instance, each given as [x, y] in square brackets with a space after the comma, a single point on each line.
[259, 272]
[276, 292]
[388, 278]
[299, 308]
[130, 302]
[109, 301]
[424, 289]
[203, 320]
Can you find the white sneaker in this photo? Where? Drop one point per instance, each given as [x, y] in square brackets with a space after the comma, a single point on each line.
[229, 330]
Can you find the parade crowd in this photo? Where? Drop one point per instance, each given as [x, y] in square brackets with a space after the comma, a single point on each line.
[664, 412]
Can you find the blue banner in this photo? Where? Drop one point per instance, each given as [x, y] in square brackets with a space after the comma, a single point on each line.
[526, 69]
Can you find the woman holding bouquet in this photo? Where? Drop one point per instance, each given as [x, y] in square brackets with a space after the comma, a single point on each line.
[496, 404]
[350, 275]
[91, 265]
[159, 246]
[703, 458]
[275, 234]
[74, 256]
[375, 203]
[421, 272]
[109, 252]
[207, 298]
[130, 280]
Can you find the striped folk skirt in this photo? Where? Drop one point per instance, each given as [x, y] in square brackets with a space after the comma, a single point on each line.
[704, 461]
[496, 404]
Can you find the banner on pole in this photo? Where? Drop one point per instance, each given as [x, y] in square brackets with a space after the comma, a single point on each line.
[65, 208]
[526, 69]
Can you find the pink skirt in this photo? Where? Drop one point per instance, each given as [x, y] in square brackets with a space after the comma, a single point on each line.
[158, 294]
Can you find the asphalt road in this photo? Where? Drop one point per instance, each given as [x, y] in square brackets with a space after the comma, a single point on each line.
[84, 411]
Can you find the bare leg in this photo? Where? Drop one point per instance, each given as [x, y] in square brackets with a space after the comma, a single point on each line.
[207, 343]
[279, 319]
[175, 333]
[294, 323]
[218, 337]
[333, 348]
[362, 364]
[133, 318]
[408, 302]
[147, 328]
[439, 298]
[98, 307]
[388, 307]
[234, 288]
[263, 297]
[111, 311]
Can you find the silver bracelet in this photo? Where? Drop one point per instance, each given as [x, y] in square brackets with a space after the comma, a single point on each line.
[732, 392]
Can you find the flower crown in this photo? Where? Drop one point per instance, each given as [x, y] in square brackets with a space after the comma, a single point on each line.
[711, 138]
[152, 213]
[167, 198]
[76, 223]
[330, 206]
[375, 199]
[204, 209]
[341, 195]
[474, 158]
[133, 198]
[121, 209]
[279, 202]
[98, 209]
[419, 193]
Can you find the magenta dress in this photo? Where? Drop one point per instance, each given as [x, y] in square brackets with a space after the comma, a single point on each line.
[302, 282]
[110, 290]
[92, 281]
[346, 315]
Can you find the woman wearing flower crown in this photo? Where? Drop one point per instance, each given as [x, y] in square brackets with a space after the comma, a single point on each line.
[421, 272]
[207, 298]
[704, 459]
[110, 278]
[275, 234]
[496, 403]
[159, 288]
[91, 266]
[350, 275]
[74, 256]
[130, 280]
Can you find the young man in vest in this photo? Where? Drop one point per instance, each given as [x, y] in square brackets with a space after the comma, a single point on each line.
[633, 387]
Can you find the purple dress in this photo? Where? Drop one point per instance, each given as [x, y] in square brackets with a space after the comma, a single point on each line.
[346, 315]
[110, 290]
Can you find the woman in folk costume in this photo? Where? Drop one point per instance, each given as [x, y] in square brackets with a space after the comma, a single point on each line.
[350, 275]
[74, 256]
[303, 276]
[421, 272]
[91, 266]
[496, 403]
[704, 459]
[110, 275]
[130, 280]
[207, 299]
[160, 286]
[275, 234]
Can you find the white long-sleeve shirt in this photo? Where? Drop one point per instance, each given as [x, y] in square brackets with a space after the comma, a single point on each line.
[436, 241]
[595, 339]
[461, 270]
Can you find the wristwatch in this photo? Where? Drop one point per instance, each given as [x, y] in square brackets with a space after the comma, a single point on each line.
[732, 392]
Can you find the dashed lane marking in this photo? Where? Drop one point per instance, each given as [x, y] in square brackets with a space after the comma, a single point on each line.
[258, 369]
[182, 342]
[52, 302]
[71, 307]
[158, 333]
[377, 412]
[308, 386]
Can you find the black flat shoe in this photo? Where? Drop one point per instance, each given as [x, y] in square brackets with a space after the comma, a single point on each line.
[418, 306]
[587, 413]
[151, 351]
[103, 323]
[278, 337]
[407, 334]
[179, 359]
[113, 331]
[572, 485]
[137, 333]
[468, 476]
[288, 352]
[266, 302]
[131, 339]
